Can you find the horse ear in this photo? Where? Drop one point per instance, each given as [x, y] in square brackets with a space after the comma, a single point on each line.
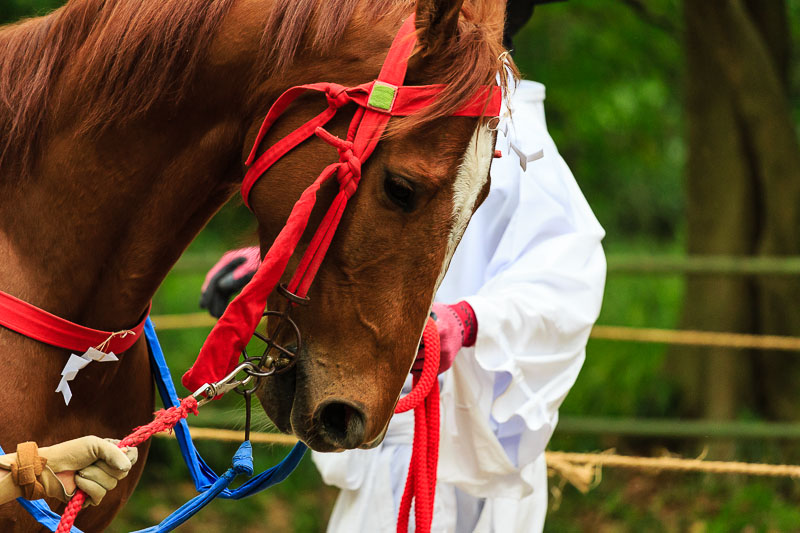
[437, 23]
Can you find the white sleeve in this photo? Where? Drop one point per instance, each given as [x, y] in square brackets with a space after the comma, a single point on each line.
[540, 293]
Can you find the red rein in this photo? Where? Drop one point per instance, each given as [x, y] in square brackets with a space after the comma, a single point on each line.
[165, 420]
[424, 399]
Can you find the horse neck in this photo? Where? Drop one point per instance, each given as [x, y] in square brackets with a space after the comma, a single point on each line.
[93, 232]
[96, 228]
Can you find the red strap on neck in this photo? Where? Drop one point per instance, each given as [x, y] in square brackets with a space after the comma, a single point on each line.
[45, 327]
[377, 102]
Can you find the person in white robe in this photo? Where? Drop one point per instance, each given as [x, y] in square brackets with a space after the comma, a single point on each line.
[532, 268]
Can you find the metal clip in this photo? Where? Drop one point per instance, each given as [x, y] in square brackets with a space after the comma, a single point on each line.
[209, 391]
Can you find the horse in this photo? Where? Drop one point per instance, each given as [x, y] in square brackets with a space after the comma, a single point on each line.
[125, 125]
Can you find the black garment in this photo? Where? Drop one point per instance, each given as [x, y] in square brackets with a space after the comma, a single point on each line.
[518, 13]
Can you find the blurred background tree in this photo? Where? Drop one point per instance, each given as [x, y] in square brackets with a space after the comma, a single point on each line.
[743, 198]
[614, 108]
[679, 121]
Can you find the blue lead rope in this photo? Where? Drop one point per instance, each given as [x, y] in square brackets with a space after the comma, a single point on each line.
[202, 474]
[206, 481]
[242, 464]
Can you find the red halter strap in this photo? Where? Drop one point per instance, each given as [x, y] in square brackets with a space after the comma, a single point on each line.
[377, 102]
[38, 324]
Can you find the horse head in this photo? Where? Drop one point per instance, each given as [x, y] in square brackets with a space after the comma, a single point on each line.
[371, 297]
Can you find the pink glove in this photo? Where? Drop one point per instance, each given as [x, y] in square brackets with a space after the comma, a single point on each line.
[231, 273]
[458, 327]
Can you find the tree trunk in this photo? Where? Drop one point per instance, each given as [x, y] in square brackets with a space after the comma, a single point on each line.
[721, 211]
[743, 198]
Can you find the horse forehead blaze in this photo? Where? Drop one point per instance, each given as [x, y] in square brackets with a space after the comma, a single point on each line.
[470, 181]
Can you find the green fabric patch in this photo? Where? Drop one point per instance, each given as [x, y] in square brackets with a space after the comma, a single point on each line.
[382, 96]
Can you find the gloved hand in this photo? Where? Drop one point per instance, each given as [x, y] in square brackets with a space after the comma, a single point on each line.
[231, 273]
[458, 327]
[92, 464]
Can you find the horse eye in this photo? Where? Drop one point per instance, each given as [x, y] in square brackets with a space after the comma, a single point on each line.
[400, 191]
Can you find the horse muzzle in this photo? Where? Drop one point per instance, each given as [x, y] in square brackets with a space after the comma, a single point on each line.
[332, 424]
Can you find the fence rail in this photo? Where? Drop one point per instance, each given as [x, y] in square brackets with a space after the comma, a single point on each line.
[624, 264]
[705, 264]
[697, 338]
[215, 418]
[183, 321]
[617, 333]
[677, 428]
[579, 469]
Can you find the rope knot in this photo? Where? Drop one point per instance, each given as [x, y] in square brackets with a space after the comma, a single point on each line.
[349, 173]
[337, 96]
[121, 334]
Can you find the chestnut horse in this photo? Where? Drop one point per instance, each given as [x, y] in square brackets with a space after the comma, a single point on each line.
[125, 125]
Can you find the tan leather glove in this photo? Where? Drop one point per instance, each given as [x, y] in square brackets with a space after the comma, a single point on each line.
[98, 465]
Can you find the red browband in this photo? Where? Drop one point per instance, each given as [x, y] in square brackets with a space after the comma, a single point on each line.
[408, 99]
[377, 102]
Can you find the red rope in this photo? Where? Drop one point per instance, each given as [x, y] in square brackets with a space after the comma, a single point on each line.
[424, 399]
[165, 420]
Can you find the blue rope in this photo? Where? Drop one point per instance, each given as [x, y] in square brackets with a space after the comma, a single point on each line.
[206, 481]
[202, 474]
[242, 464]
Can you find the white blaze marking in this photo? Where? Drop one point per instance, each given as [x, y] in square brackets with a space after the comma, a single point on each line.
[470, 179]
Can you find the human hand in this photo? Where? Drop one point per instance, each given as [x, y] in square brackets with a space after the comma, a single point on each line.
[227, 277]
[91, 464]
[457, 327]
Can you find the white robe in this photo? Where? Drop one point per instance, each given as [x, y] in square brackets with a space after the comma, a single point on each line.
[533, 269]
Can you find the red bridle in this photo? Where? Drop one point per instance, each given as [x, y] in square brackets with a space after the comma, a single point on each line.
[377, 102]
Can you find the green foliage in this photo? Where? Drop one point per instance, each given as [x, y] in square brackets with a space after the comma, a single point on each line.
[627, 502]
[614, 109]
[11, 10]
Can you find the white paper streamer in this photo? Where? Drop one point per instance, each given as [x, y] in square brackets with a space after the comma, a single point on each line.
[526, 156]
[74, 365]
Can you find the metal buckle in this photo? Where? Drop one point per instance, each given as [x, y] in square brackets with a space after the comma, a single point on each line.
[209, 391]
[256, 368]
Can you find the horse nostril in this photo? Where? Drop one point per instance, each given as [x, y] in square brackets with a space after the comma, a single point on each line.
[341, 424]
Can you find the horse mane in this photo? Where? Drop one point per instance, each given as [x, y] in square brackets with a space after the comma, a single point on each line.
[134, 54]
